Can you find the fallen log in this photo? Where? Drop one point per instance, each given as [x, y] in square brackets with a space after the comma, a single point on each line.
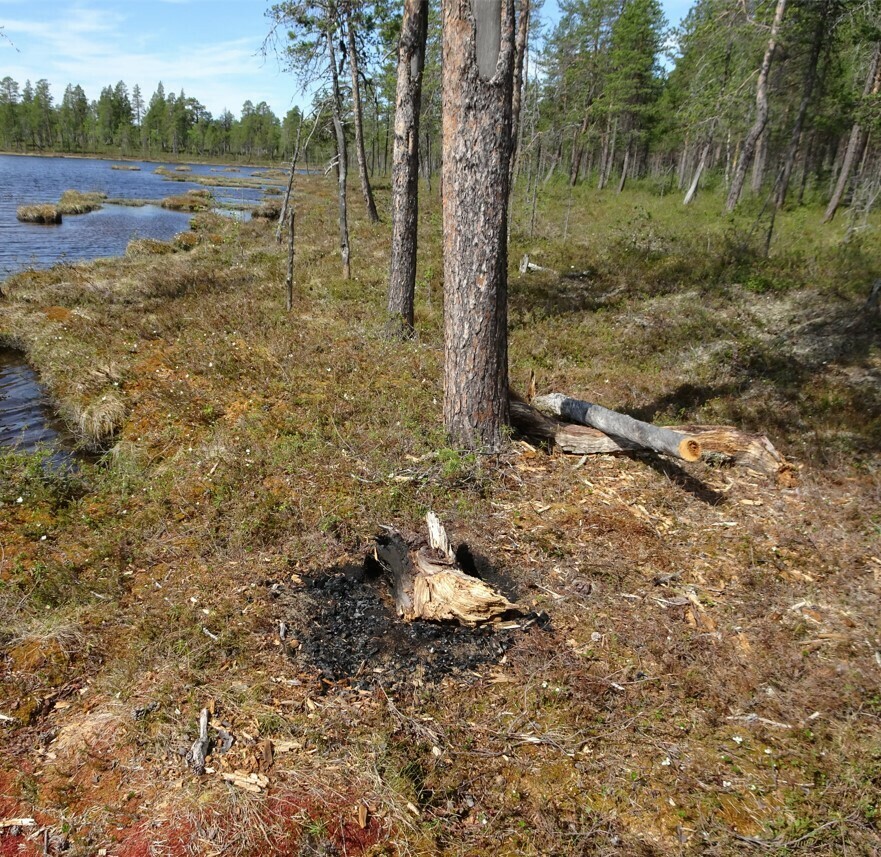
[644, 435]
[722, 445]
[428, 584]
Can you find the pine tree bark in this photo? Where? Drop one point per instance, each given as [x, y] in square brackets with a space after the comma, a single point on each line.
[752, 138]
[405, 169]
[358, 116]
[340, 138]
[478, 63]
[857, 138]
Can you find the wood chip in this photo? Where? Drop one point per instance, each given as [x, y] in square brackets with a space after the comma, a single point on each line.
[17, 822]
[254, 783]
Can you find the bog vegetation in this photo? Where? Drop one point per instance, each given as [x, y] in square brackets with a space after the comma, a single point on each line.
[695, 669]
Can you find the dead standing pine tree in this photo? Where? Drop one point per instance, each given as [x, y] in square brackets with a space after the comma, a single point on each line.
[313, 29]
[405, 168]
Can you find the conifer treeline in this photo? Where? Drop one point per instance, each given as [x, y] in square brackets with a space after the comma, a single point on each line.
[121, 123]
[763, 97]
[782, 95]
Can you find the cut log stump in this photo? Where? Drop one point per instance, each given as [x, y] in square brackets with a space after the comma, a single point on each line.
[428, 584]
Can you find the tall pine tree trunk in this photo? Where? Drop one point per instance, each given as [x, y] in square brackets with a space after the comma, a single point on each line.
[857, 139]
[478, 64]
[358, 116]
[340, 137]
[405, 168]
[752, 138]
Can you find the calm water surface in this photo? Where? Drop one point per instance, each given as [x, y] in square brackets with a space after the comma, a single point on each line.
[106, 232]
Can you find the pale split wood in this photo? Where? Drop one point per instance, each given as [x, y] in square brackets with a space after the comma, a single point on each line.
[428, 584]
[199, 750]
[437, 536]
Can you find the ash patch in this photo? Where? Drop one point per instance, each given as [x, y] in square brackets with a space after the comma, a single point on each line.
[347, 630]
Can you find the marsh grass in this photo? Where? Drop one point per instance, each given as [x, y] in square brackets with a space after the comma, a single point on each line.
[192, 201]
[252, 448]
[77, 202]
[44, 213]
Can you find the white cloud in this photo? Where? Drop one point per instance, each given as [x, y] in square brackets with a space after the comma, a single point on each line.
[94, 48]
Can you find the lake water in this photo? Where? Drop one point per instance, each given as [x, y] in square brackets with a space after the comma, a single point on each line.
[27, 419]
[27, 179]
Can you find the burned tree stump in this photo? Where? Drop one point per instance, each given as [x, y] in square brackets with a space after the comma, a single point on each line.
[427, 583]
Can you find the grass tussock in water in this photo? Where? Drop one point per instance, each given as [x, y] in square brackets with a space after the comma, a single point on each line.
[707, 670]
[77, 202]
[44, 213]
[192, 200]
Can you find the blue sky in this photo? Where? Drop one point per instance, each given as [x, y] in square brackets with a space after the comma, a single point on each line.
[209, 48]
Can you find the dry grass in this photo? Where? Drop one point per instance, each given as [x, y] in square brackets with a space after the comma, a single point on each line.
[192, 200]
[707, 680]
[44, 213]
[76, 202]
[269, 209]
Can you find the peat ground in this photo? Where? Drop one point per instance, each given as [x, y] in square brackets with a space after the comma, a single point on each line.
[705, 675]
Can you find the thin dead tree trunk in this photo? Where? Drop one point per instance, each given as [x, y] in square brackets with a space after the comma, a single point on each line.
[759, 159]
[692, 190]
[358, 116]
[782, 184]
[288, 212]
[405, 169]
[625, 166]
[478, 63]
[752, 138]
[521, 41]
[610, 157]
[857, 138]
[340, 136]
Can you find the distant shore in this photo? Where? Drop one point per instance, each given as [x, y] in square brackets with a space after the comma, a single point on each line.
[146, 160]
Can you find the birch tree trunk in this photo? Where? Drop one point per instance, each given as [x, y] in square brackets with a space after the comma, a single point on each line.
[405, 168]
[478, 63]
[752, 137]
[340, 136]
[358, 116]
[857, 139]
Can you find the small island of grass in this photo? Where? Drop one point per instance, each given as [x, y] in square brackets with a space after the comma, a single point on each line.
[44, 213]
[77, 202]
[192, 200]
